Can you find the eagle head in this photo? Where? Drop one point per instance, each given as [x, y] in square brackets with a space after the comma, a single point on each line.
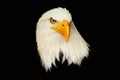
[55, 33]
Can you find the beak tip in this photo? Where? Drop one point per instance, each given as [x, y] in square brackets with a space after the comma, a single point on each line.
[67, 38]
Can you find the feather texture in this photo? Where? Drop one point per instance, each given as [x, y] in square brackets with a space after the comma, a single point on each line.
[50, 43]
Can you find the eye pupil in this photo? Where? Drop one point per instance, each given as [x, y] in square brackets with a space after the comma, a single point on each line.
[52, 20]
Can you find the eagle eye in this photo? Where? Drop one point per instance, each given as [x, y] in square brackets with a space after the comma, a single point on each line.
[52, 20]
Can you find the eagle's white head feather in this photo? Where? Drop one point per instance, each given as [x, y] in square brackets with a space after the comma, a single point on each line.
[51, 39]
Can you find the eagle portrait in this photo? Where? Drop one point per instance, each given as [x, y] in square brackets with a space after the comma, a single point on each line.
[56, 34]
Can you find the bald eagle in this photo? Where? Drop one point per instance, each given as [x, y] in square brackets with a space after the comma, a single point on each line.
[56, 33]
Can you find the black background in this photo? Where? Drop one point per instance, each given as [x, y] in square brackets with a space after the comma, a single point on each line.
[22, 59]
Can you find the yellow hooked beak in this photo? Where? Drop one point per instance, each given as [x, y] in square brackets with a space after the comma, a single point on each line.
[63, 28]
